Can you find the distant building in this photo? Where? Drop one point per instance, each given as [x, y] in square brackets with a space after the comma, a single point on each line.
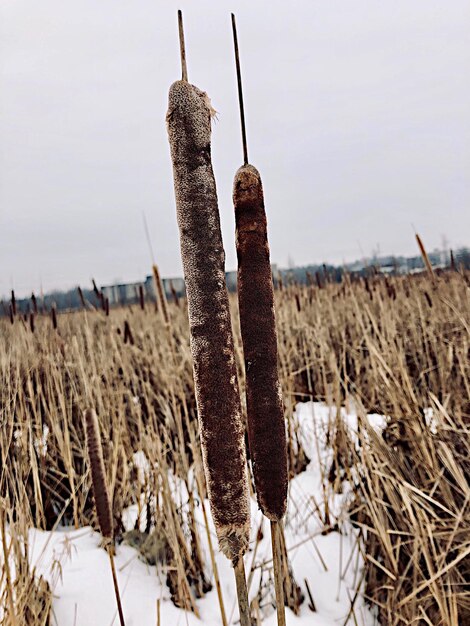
[178, 286]
[126, 293]
[123, 293]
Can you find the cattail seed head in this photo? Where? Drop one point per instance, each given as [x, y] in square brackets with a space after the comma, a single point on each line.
[128, 337]
[54, 317]
[82, 299]
[265, 411]
[161, 297]
[98, 474]
[424, 254]
[35, 303]
[214, 369]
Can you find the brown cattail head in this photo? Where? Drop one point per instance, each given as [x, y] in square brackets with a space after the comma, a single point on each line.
[31, 321]
[35, 303]
[13, 302]
[424, 254]
[54, 317]
[98, 474]
[128, 337]
[82, 299]
[266, 425]
[452, 261]
[141, 298]
[161, 297]
[215, 375]
[95, 288]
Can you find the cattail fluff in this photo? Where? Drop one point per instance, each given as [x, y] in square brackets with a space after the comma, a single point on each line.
[265, 411]
[215, 376]
[98, 474]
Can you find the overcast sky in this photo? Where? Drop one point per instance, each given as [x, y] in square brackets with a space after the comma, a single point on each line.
[358, 118]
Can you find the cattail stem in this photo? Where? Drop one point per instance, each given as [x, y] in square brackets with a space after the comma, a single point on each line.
[158, 612]
[215, 569]
[6, 559]
[242, 592]
[116, 587]
[240, 91]
[278, 573]
[184, 68]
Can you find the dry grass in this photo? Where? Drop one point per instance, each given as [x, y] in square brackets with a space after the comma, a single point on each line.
[396, 346]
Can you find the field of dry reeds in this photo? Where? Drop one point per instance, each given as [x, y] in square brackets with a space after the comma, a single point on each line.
[396, 346]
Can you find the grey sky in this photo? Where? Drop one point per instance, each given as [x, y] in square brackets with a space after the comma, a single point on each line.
[358, 118]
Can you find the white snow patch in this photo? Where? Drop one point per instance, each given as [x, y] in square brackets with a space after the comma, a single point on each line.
[77, 567]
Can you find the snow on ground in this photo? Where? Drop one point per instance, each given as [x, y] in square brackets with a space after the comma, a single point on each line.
[78, 568]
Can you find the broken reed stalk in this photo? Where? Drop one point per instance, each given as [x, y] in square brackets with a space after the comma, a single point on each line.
[212, 346]
[215, 569]
[242, 592]
[6, 566]
[101, 495]
[160, 293]
[81, 296]
[176, 300]
[276, 530]
[265, 409]
[424, 254]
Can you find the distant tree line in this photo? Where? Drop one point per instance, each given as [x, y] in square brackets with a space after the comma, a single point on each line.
[76, 298]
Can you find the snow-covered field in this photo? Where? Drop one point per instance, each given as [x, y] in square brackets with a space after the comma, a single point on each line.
[78, 568]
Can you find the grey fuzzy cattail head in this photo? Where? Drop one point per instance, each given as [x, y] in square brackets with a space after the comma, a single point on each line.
[98, 474]
[265, 411]
[215, 376]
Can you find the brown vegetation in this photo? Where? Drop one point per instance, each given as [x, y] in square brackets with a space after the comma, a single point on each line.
[389, 351]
